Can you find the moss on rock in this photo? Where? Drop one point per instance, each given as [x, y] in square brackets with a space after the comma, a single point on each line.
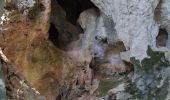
[34, 11]
[104, 87]
[151, 78]
[156, 60]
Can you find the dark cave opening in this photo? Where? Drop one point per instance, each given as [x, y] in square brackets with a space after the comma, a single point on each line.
[73, 8]
[162, 38]
[53, 34]
[64, 28]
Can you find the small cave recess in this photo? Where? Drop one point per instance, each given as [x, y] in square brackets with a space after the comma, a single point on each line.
[64, 28]
[53, 35]
[162, 38]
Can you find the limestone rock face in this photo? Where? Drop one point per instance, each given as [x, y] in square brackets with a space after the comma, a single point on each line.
[85, 49]
[134, 21]
[26, 42]
[140, 25]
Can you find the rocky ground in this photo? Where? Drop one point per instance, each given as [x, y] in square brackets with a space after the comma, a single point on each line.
[84, 49]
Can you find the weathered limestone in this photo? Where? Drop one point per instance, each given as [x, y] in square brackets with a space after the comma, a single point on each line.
[101, 37]
[137, 24]
[13, 85]
[133, 22]
[79, 50]
[52, 71]
[162, 16]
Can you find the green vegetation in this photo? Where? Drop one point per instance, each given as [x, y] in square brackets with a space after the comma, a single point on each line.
[34, 11]
[105, 86]
[1, 7]
[156, 60]
[133, 90]
[148, 69]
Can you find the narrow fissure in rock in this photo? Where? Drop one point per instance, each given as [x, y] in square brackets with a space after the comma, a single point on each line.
[53, 35]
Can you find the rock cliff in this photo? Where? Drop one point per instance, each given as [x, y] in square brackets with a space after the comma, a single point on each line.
[84, 50]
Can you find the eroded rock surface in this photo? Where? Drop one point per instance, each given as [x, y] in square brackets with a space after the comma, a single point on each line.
[85, 50]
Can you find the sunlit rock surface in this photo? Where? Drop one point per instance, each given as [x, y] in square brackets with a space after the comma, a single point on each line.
[142, 26]
[14, 86]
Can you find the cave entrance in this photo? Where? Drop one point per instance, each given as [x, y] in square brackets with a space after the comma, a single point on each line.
[64, 28]
[73, 8]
